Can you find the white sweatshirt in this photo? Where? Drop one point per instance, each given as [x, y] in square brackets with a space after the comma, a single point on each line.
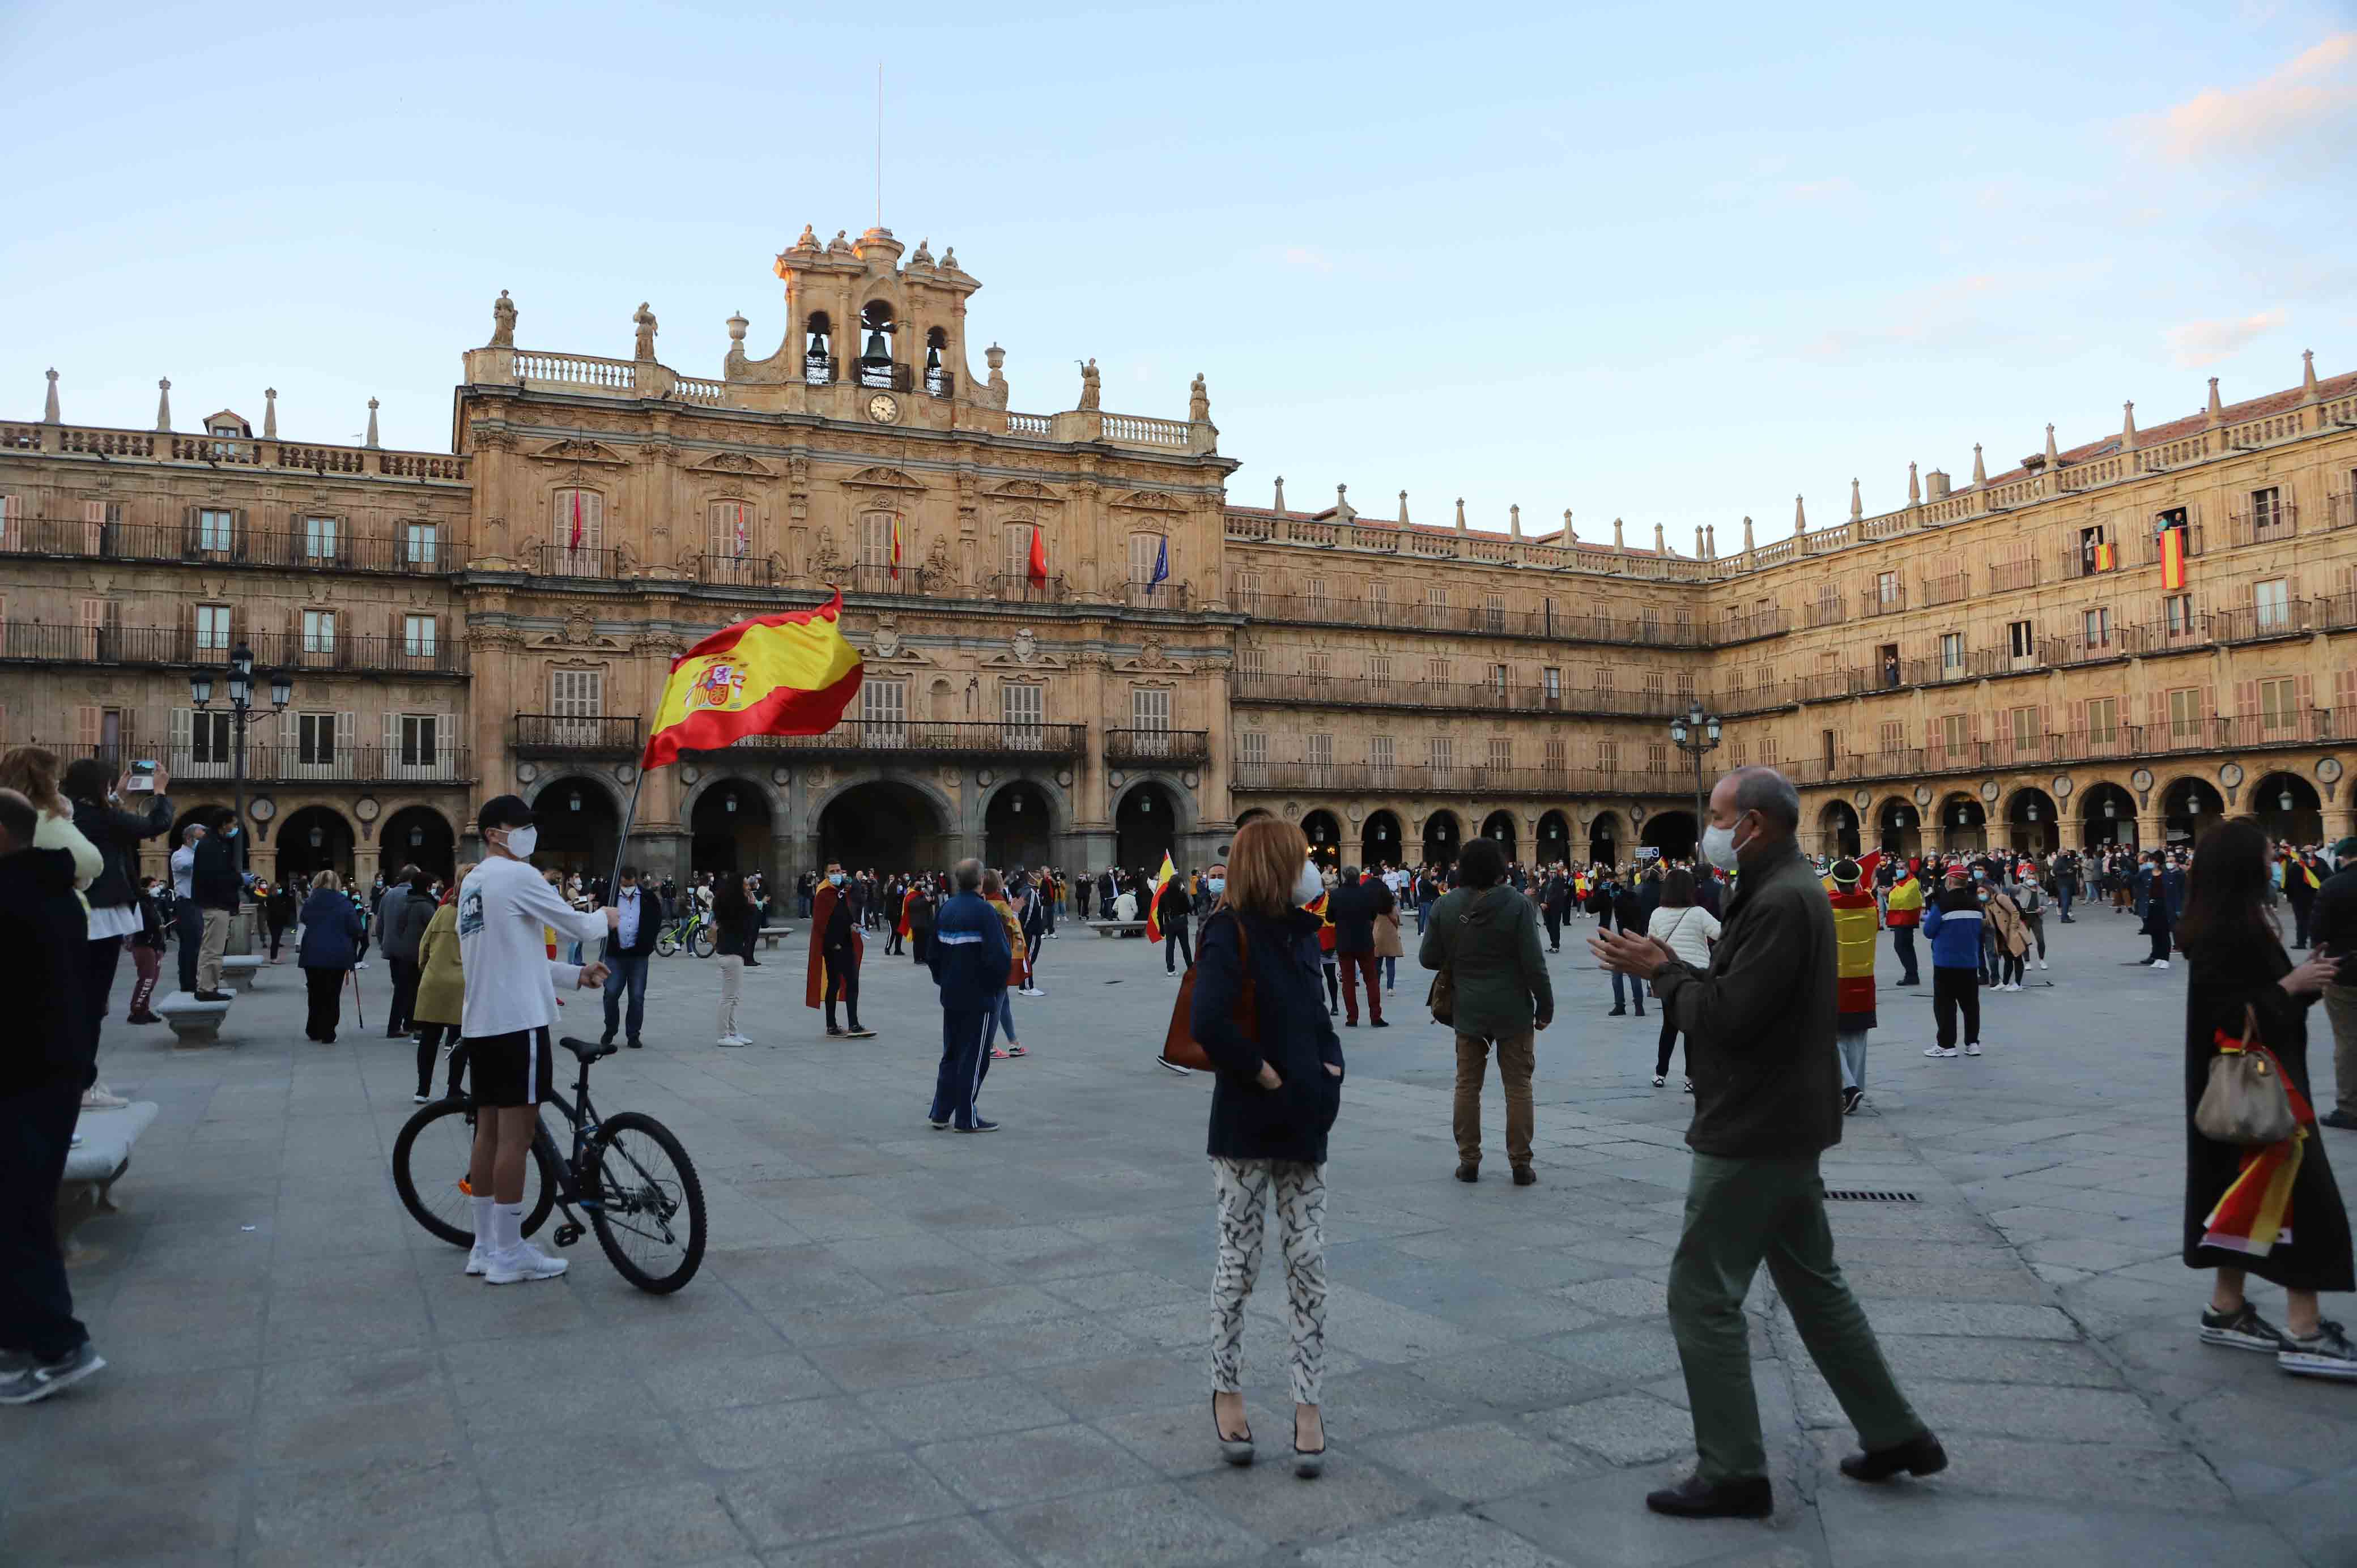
[512, 985]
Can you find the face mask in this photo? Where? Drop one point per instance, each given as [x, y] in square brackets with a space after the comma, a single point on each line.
[520, 842]
[1308, 885]
[1979, 876]
[835, 877]
[1718, 847]
[1216, 884]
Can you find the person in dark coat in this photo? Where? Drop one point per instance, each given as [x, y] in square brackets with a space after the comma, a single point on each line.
[401, 919]
[1276, 1087]
[2159, 914]
[2332, 926]
[101, 814]
[1619, 906]
[1174, 914]
[2242, 975]
[278, 911]
[1353, 907]
[968, 956]
[332, 941]
[43, 930]
[923, 908]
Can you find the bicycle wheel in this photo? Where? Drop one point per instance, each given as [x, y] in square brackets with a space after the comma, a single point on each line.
[429, 1170]
[650, 1214]
[704, 941]
[667, 941]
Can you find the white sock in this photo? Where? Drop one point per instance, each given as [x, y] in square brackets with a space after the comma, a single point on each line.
[484, 1237]
[507, 1225]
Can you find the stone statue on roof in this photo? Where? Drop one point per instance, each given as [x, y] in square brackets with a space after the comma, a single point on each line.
[503, 321]
[645, 320]
[1089, 385]
[1199, 402]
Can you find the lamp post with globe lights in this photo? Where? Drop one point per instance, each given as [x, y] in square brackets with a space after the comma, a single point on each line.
[1695, 733]
[241, 704]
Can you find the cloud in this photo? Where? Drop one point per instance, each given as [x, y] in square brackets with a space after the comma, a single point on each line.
[1303, 256]
[2199, 343]
[2310, 102]
[1834, 188]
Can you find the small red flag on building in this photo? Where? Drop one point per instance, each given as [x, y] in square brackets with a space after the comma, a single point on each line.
[896, 545]
[1038, 573]
[576, 522]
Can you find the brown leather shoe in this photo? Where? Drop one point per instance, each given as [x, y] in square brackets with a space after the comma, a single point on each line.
[1469, 1173]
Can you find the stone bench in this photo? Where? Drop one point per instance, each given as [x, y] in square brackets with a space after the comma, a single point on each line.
[194, 1024]
[246, 969]
[771, 934]
[1118, 928]
[96, 1163]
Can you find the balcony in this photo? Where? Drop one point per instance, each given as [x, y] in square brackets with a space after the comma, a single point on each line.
[1156, 596]
[1420, 778]
[565, 561]
[31, 642]
[337, 764]
[421, 554]
[736, 572]
[2149, 547]
[925, 739]
[1827, 611]
[889, 375]
[1018, 588]
[1884, 599]
[2341, 510]
[1359, 692]
[2258, 623]
[2270, 524]
[268, 454]
[2004, 575]
[575, 735]
[1751, 628]
[1157, 748]
[1544, 624]
[1946, 589]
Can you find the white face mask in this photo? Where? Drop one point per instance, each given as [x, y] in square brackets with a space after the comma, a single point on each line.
[1718, 847]
[522, 841]
[1308, 885]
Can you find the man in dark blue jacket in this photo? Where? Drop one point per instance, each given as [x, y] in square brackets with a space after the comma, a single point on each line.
[970, 959]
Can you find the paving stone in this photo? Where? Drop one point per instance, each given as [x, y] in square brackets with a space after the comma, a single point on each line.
[961, 1541]
[1268, 1498]
[1487, 1459]
[840, 1495]
[1139, 1527]
[1011, 1467]
[1456, 1540]
[683, 1522]
[1625, 1429]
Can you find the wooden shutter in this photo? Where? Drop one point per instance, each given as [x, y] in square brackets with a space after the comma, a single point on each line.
[2155, 709]
[347, 733]
[188, 530]
[2344, 688]
[86, 728]
[2306, 694]
[2247, 697]
[183, 738]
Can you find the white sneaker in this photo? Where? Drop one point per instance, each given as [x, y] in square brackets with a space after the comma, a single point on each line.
[2041, 963]
[1941, 1052]
[98, 1097]
[732, 1040]
[523, 1261]
[1031, 991]
[1971, 1048]
[479, 1259]
[2160, 963]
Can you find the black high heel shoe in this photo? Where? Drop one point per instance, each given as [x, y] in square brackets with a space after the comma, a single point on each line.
[1235, 1450]
[1307, 1463]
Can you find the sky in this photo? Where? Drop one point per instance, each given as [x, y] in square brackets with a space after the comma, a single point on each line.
[1670, 264]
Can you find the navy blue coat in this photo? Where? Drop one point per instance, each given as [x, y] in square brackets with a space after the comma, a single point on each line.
[970, 954]
[331, 931]
[1291, 1032]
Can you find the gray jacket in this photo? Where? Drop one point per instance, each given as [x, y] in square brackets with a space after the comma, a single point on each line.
[401, 919]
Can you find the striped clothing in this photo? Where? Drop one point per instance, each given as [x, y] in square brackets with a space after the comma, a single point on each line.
[1855, 921]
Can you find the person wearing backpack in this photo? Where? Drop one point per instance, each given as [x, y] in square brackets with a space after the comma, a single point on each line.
[1488, 939]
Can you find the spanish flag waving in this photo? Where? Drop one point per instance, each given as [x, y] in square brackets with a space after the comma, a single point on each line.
[781, 674]
[1153, 903]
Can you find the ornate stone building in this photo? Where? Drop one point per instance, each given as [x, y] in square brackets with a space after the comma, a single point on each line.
[1079, 649]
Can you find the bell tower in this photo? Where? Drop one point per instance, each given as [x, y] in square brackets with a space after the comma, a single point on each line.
[870, 338]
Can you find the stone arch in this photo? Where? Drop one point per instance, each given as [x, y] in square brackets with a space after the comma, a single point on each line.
[1039, 843]
[740, 839]
[1837, 829]
[835, 788]
[1672, 831]
[1188, 813]
[1140, 833]
[1606, 838]
[2098, 826]
[299, 857]
[2190, 806]
[1323, 828]
[1963, 822]
[418, 833]
[1501, 829]
[580, 837]
[1381, 838]
[714, 777]
[924, 846]
[1443, 836]
[2032, 820]
[2301, 822]
[1552, 843]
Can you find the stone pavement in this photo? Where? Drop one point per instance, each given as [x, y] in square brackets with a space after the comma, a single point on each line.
[909, 1348]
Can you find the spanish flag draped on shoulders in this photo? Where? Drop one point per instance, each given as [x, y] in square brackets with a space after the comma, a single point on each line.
[1855, 925]
[1906, 899]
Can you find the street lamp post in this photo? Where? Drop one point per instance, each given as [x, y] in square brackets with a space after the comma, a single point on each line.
[1695, 733]
[241, 703]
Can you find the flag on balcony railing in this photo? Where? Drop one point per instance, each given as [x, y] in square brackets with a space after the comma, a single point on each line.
[740, 531]
[895, 546]
[1161, 562]
[2106, 557]
[576, 545]
[1039, 572]
[2172, 560]
[1153, 903]
[781, 674]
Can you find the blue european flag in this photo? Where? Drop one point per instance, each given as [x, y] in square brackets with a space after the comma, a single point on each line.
[1161, 562]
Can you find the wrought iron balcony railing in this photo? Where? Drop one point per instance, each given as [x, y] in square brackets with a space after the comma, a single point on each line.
[1157, 748]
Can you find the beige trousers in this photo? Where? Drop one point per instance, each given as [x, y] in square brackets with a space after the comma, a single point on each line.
[732, 987]
[209, 950]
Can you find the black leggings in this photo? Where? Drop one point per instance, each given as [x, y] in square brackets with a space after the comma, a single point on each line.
[326, 987]
[1669, 1041]
[430, 1037]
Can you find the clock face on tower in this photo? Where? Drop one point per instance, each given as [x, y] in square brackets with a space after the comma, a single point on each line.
[883, 408]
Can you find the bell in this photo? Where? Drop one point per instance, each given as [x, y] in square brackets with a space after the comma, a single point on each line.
[932, 358]
[875, 349]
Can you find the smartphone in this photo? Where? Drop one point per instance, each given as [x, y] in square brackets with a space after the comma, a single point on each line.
[143, 778]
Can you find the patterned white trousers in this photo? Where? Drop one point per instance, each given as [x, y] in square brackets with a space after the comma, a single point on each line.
[1243, 1190]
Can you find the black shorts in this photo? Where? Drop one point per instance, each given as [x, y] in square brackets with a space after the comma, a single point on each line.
[512, 1069]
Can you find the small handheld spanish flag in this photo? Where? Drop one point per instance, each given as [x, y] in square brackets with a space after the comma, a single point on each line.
[783, 674]
[1154, 904]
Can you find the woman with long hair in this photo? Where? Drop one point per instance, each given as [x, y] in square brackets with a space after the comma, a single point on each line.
[333, 940]
[100, 814]
[1276, 1087]
[2242, 977]
[738, 926]
[33, 772]
[1688, 929]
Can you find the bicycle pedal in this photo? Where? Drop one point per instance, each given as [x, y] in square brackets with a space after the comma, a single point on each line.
[567, 1234]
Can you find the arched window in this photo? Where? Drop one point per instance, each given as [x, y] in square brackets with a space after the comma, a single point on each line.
[876, 354]
[937, 376]
[576, 528]
[818, 350]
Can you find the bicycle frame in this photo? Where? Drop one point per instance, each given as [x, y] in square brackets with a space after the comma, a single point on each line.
[583, 1116]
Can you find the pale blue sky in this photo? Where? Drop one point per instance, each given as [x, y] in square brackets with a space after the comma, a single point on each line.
[1670, 264]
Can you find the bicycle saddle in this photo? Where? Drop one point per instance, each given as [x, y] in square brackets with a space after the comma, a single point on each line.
[588, 1050]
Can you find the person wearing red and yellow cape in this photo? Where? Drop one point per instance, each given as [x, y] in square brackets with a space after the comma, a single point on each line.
[1856, 918]
[837, 949]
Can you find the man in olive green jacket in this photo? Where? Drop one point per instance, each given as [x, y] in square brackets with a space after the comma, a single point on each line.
[1487, 935]
[1759, 1025]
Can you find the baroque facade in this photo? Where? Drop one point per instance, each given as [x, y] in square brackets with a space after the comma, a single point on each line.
[1079, 649]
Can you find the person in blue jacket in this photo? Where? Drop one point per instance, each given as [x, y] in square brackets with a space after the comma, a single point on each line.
[332, 940]
[969, 961]
[1951, 922]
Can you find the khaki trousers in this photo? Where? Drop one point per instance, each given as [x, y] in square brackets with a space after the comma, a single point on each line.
[214, 944]
[732, 987]
[2341, 1006]
[1517, 1055]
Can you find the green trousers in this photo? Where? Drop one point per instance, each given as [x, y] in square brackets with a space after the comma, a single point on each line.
[1739, 1211]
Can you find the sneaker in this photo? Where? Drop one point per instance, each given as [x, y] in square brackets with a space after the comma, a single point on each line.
[1618, 1013]
[1016, 1051]
[1850, 1100]
[478, 1258]
[1941, 1052]
[37, 1380]
[2160, 963]
[519, 1263]
[1526, 1177]
[1174, 1067]
[940, 1126]
[223, 996]
[996, 1054]
[1379, 1023]
[856, 1033]
[2242, 1329]
[1971, 1048]
[729, 1040]
[2340, 1119]
[979, 1126]
[1029, 991]
[1659, 1079]
[98, 1097]
[2326, 1353]
[421, 1098]
[144, 1018]
[2041, 963]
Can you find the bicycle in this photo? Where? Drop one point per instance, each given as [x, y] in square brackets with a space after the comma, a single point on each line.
[626, 1172]
[692, 933]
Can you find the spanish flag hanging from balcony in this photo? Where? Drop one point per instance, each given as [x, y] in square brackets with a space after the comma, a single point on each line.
[2172, 559]
[1038, 573]
[895, 546]
[2107, 556]
[781, 674]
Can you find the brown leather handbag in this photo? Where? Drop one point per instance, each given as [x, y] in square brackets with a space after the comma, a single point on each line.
[1179, 1044]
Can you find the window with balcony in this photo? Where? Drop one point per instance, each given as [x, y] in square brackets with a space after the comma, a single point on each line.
[1892, 736]
[2279, 704]
[2177, 616]
[1252, 749]
[1440, 752]
[424, 540]
[417, 634]
[1435, 605]
[2272, 599]
[1608, 756]
[208, 737]
[1547, 615]
[1379, 672]
[1502, 753]
[1685, 686]
[319, 539]
[1649, 624]
[576, 526]
[1315, 592]
[213, 629]
[1149, 707]
[1551, 682]
[1953, 729]
[1555, 760]
[2021, 639]
[1022, 712]
[1657, 757]
[1493, 612]
[419, 734]
[319, 631]
[2184, 714]
[1436, 672]
[874, 540]
[728, 531]
[1653, 679]
[1767, 751]
[1379, 603]
[1253, 663]
[2267, 511]
[1149, 558]
[2024, 724]
[314, 739]
[1015, 562]
[1951, 654]
[1321, 665]
[884, 712]
[1886, 589]
[2095, 627]
[215, 529]
[1496, 679]
[1248, 589]
[1381, 756]
[577, 696]
[1602, 680]
[2095, 555]
[2104, 720]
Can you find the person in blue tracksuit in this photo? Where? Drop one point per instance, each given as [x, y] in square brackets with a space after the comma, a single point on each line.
[969, 960]
[1951, 922]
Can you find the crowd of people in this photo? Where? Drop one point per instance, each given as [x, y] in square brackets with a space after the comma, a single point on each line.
[1762, 959]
